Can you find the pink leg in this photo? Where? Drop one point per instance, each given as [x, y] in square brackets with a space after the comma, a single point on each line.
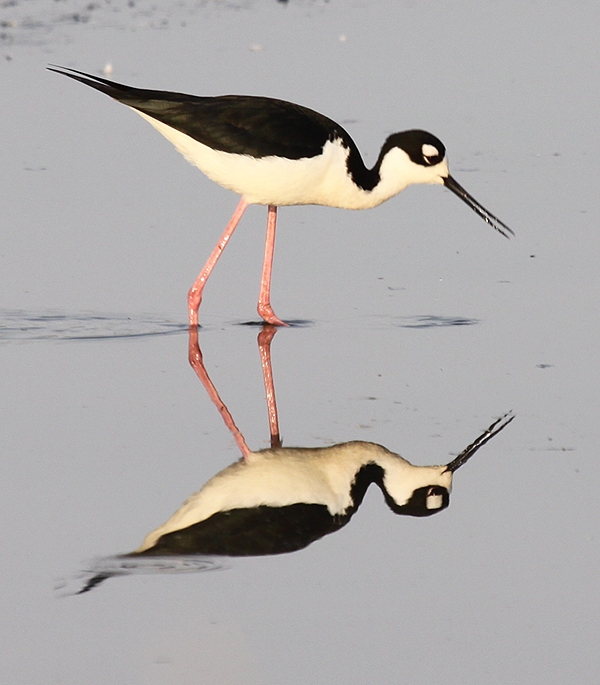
[195, 294]
[195, 357]
[264, 347]
[264, 298]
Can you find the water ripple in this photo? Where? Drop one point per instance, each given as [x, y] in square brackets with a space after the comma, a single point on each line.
[20, 325]
[430, 321]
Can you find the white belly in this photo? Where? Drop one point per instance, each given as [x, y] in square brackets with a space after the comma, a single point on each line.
[321, 180]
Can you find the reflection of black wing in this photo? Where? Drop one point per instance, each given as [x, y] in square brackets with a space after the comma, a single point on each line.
[251, 532]
[254, 531]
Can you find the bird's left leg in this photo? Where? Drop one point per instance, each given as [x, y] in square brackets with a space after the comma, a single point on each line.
[264, 348]
[264, 298]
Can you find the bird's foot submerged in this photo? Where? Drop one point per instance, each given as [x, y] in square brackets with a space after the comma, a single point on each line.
[269, 316]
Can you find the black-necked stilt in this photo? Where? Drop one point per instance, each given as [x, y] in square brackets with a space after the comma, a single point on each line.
[279, 500]
[275, 153]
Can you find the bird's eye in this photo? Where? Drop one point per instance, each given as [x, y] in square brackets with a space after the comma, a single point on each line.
[431, 155]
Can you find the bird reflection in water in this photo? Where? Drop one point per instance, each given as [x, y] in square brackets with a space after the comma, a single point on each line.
[281, 499]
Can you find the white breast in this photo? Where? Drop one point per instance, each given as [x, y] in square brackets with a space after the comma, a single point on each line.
[284, 476]
[275, 478]
[320, 180]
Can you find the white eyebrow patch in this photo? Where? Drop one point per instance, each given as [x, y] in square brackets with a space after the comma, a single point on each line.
[434, 501]
[429, 150]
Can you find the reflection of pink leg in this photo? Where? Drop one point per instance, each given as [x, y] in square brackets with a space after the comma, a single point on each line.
[264, 298]
[195, 294]
[264, 347]
[195, 357]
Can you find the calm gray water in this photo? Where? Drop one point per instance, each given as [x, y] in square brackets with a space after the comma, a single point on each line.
[422, 325]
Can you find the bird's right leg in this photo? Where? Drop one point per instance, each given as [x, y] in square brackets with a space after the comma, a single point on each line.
[195, 294]
[195, 357]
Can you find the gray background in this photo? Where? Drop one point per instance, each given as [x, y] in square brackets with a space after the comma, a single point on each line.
[105, 429]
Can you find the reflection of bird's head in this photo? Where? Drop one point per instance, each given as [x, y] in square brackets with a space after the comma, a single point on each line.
[415, 490]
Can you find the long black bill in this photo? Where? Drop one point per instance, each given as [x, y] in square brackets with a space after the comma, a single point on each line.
[492, 220]
[469, 451]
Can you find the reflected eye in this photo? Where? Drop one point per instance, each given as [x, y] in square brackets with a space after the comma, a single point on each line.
[424, 501]
[431, 155]
[434, 498]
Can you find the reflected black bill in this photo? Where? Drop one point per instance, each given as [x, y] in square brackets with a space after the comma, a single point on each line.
[469, 451]
[492, 220]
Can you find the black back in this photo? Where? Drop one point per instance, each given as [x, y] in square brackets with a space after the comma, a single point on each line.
[238, 124]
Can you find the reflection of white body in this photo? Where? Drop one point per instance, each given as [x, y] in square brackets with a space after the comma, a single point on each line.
[286, 476]
[333, 478]
[281, 499]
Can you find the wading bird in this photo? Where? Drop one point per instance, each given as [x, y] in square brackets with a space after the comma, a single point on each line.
[276, 153]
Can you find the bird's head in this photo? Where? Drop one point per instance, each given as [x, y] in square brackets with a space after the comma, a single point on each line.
[425, 490]
[421, 157]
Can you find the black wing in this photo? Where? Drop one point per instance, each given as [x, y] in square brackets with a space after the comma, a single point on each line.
[239, 124]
